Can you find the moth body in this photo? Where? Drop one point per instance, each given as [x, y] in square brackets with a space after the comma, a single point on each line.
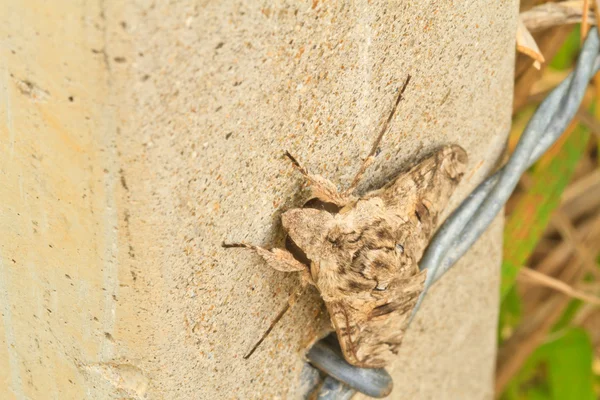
[364, 259]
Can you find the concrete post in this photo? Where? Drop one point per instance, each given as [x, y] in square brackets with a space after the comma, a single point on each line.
[136, 136]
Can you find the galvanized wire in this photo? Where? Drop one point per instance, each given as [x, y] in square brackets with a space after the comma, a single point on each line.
[468, 222]
[326, 355]
[332, 389]
[476, 213]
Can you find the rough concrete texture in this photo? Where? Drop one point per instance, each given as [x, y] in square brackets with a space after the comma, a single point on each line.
[135, 138]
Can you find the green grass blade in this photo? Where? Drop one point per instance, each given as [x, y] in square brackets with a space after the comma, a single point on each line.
[526, 224]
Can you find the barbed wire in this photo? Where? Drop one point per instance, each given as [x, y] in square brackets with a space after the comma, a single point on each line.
[468, 222]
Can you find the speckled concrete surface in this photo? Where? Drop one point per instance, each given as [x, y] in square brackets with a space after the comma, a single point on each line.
[193, 107]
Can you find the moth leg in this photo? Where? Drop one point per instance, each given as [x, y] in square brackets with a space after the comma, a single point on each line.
[279, 259]
[296, 294]
[371, 157]
[322, 188]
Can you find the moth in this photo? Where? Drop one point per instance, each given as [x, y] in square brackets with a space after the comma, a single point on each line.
[362, 252]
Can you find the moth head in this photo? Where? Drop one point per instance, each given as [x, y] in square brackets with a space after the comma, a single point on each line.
[307, 227]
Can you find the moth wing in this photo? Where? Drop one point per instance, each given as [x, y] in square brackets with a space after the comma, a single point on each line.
[371, 283]
[422, 193]
[370, 332]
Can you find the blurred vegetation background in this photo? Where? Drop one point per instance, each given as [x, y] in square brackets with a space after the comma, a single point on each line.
[549, 328]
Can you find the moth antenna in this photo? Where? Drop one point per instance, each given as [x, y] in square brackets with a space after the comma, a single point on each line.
[234, 245]
[367, 162]
[291, 300]
[298, 166]
[292, 159]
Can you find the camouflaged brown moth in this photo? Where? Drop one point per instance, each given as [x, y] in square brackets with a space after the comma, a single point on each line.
[362, 252]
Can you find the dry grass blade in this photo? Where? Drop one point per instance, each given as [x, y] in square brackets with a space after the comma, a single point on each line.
[570, 234]
[549, 43]
[558, 285]
[581, 197]
[589, 121]
[556, 260]
[562, 223]
[584, 313]
[537, 96]
[526, 45]
[588, 317]
[588, 186]
[585, 23]
[549, 15]
[544, 247]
